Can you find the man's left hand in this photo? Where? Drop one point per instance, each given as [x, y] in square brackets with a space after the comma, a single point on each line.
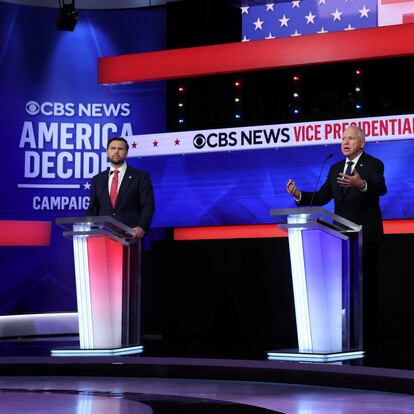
[138, 232]
[354, 180]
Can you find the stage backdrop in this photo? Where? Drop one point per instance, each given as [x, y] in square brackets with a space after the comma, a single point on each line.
[55, 124]
[236, 175]
[55, 121]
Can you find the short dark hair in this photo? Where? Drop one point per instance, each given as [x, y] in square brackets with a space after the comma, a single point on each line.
[118, 139]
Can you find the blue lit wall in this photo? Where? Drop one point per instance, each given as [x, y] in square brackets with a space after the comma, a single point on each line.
[55, 120]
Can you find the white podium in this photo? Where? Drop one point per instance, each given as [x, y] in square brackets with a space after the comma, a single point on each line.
[325, 255]
[107, 271]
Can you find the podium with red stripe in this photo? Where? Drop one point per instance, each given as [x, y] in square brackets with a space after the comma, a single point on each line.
[107, 271]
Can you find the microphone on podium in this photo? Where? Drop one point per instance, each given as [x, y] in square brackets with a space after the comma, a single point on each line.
[319, 177]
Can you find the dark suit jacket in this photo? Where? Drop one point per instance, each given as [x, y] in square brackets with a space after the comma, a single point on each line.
[360, 207]
[134, 204]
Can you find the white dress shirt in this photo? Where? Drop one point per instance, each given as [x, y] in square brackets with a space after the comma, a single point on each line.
[122, 171]
[355, 162]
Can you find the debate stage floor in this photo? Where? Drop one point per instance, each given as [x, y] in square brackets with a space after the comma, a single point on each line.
[154, 395]
[34, 382]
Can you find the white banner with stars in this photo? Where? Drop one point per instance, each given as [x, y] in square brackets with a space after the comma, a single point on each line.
[385, 128]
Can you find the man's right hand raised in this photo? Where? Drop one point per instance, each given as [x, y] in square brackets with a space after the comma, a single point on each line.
[292, 189]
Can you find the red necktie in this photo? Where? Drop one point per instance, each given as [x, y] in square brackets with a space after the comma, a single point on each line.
[114, 188]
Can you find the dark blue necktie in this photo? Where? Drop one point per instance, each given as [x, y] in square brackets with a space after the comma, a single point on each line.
[349, 168]
[348, 171]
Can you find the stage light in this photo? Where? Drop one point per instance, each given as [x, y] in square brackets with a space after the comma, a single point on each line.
[237, 84]
[296, 78]
[296, 111]
[236, 99]
[181, 120]
[181, 89]
[358, 106]
[296, 95]
[357, 89]
[67, 16]
[358, 72]
[237, 116]
[180, 104]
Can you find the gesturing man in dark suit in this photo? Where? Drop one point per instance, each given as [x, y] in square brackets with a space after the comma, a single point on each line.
[355, 184]
[355, 192]
[122, 192]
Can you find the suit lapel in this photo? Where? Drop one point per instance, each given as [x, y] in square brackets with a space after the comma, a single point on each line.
[358, 167]
[344, 190]
[339, 169]
[361, 163]
[105, 190]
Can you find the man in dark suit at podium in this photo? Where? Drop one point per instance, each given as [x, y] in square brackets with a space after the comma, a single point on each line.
[355, 184]
[122, 192]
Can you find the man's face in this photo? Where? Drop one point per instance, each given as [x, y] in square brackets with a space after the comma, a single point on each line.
[352, 144]
[117, 152]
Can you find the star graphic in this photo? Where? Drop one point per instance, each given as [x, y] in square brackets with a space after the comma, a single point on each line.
[87, 186]
[295, 3]
[337, 15]
[310, 18]
[258, 24]
[349, 27]
[296, 33]
[364, 12]
[245, 10]
[134, 145]
[155, 143]
[322, 30]
[269, 6]
[284, 21]
[270, 36]
[245, 39]
[177, 142]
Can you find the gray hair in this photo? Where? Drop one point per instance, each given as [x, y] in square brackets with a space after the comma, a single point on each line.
[360, 131]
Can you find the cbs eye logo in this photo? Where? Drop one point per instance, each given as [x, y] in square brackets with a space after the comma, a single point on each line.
[199, 141]
[32, 108]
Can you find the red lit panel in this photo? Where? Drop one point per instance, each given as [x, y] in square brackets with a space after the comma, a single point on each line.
[228, 232]
[398, 226]
[105, 278]
[408, 18]
[24, 233]
[267, 231]
[262, 54]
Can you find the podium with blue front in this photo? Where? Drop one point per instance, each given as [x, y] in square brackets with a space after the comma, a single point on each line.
[107, 273]
[325, 254]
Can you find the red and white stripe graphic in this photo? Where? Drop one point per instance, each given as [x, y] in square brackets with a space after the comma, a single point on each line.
[391, 12]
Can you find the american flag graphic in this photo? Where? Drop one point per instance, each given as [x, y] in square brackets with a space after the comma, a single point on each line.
[302, 17]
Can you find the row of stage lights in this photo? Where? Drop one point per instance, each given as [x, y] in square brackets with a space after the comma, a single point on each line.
[358, 89]
[295, 105]
[181, 105]
[237, 99]
[296, 102]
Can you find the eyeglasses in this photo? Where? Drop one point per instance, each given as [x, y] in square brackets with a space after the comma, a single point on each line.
[350, 138]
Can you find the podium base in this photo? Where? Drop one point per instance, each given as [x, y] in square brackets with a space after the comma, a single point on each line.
[130, 350]
[324, 357]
